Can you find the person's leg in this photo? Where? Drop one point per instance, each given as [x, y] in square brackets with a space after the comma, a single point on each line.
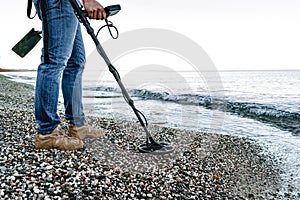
[72, 93]
[59, 30]
[72, 82]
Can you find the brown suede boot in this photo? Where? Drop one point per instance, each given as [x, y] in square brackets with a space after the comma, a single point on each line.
[57, 140]
[85, 131]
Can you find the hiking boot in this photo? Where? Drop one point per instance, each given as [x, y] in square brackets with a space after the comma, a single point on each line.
[57, 140]
[85, 131]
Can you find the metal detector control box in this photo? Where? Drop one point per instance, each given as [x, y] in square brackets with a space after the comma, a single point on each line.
[112, 10]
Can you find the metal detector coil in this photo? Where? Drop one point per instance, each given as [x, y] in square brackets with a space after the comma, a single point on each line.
[150, 146]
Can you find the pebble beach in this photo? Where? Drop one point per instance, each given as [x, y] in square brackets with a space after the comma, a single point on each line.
[204, 165]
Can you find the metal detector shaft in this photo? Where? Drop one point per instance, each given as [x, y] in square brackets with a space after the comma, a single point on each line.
[83, 19]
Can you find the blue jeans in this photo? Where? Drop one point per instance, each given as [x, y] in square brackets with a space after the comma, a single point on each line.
[62, 61]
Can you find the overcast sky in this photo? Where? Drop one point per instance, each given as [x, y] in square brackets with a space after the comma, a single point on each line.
[236, 34]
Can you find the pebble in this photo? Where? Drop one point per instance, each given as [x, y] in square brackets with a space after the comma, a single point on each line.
[49, 167]
[204, 165]
[36, 190]
[149, 195]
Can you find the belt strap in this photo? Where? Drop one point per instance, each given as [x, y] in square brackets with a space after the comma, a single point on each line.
[29, 8]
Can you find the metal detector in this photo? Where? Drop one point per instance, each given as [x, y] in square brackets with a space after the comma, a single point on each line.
[151, 146]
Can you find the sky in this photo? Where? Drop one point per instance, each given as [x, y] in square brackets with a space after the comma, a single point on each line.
[236, 34]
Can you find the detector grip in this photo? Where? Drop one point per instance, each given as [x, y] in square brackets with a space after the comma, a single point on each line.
[109, 10]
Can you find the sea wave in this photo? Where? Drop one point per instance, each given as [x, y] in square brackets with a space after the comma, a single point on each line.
[270, 114]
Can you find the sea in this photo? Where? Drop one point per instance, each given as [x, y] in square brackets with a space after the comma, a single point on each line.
[261, 105]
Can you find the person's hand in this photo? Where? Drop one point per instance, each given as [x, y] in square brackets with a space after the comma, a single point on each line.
[94, 9]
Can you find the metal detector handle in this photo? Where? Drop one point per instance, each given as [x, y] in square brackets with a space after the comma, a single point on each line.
[83, 19]
[109, 10]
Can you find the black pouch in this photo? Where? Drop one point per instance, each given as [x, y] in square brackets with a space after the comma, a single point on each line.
[26, 44]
